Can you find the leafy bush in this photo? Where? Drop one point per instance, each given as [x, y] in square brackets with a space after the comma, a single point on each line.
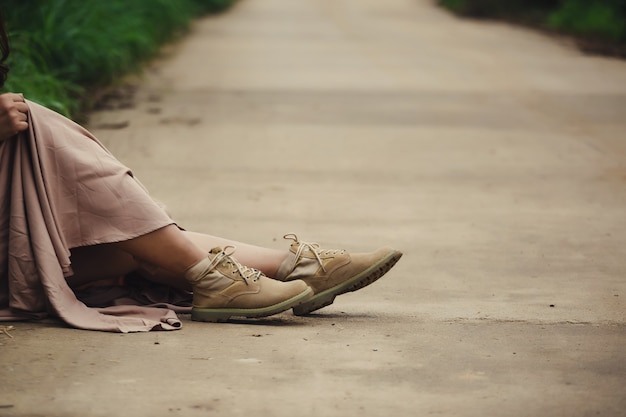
[597, 19]
[605, 19]
[60, 47]
[524, 10]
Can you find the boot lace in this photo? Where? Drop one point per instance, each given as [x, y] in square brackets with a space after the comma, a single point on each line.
[314, 248]
[224, 257]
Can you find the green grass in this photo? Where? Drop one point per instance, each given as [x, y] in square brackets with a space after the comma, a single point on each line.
[530, 11]
[599, 21]
[62, 48]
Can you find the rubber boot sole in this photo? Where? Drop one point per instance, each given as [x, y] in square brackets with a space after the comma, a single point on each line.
[218, 315]
[363, 279]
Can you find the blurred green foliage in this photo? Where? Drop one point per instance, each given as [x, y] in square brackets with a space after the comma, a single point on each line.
[525, 10]
[596, 19]
[599, 18]
[61, 47]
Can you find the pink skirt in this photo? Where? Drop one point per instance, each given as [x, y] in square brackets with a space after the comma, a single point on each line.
[61, 189]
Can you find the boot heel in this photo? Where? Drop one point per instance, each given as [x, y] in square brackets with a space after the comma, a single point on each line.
[315, 304]
[210, 316]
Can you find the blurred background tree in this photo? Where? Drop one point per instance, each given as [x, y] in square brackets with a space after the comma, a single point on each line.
[59, 48]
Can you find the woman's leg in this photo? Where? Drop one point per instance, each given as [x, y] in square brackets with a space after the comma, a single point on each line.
[99, 262]
[264, 259]
[222, 287]
[163, 256]
[166, 249]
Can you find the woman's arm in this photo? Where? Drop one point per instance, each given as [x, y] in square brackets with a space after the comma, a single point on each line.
[13, 112]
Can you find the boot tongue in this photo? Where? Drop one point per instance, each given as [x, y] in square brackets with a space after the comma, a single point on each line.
[286, 267]
[215, 250]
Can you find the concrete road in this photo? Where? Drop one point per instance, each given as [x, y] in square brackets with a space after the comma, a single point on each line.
[493, 156]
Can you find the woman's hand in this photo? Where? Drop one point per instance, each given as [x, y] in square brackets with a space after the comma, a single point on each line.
[13, 112]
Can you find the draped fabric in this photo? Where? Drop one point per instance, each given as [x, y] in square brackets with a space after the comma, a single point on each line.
[61, 189]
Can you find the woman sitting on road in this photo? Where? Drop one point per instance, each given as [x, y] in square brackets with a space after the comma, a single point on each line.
[73, 215]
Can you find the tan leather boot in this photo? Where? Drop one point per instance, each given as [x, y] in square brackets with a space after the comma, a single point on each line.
[223, 288]
[331, 272]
